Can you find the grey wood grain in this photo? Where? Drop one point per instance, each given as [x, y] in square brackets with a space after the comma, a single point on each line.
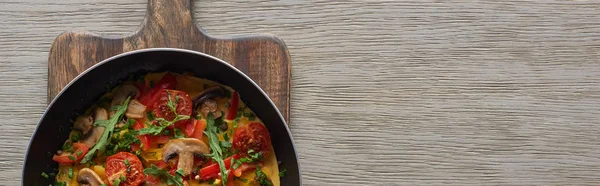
[384, 92]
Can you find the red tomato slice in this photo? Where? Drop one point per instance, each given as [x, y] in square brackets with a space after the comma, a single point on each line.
[253, 136]
[79, 150]
[133, 171]
[181, 100]
[168, 81]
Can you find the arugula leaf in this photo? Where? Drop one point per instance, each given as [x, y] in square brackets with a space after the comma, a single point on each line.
[108, 128]
[165, 176]
[217, 152]
[162, 125]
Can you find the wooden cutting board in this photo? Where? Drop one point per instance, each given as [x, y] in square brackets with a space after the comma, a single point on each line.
[171, 24]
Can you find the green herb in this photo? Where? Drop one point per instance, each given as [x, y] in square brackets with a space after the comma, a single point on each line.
[170, 103]
[217, 152]
[59, 183]
[255, 155]
[45, 175]
[234, 123]
[72, 158]
[117, 181]
[282, 172]
[198, 117]
[150, 115]
[178, 134]
[70, 173]
[261, 177]
[252, 157]
[164, 175]
[76, 136]
[78, 152]
[104, 184]
[109, 127]
[163, 124]
[130, 122]
[126, 163]
[124, 143]
[67, 146]
[249, 115]
[123, 178]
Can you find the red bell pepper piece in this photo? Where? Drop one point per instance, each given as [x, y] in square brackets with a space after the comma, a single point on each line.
[168, 81]
[243, 168]
[80, 149]
[233, 106]
[146, 140]
[161, 139]
[198, 129]
[189, 127]
[213, 170]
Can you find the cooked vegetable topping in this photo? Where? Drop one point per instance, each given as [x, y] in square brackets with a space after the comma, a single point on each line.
[164, 175]
[109, 126]
[149, 131]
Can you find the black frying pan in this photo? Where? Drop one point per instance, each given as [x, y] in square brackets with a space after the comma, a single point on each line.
[85, 89]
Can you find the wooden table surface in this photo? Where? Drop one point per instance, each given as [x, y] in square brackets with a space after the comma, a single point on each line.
[383, 92]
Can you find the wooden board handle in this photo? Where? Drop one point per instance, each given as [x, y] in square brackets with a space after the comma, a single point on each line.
[168, 23]
[170, 15]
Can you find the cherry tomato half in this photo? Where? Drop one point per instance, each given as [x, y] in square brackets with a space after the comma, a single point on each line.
[168, 81]
[253, 136]
[181, 101]
[79, 150]
[124, 164]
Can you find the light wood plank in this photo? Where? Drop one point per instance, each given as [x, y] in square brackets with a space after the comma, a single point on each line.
[384, 92]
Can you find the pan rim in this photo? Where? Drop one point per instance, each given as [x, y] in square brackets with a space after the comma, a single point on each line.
[107, 60]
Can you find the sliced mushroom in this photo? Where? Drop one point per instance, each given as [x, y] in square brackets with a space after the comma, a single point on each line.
[121, 95]
[205, 100]
[185, 148]
[135, 109]
[84, 124]
[87, 177]
[92, 137]
[210, 105]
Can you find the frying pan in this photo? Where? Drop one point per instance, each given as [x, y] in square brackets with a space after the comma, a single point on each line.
[53, 128]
